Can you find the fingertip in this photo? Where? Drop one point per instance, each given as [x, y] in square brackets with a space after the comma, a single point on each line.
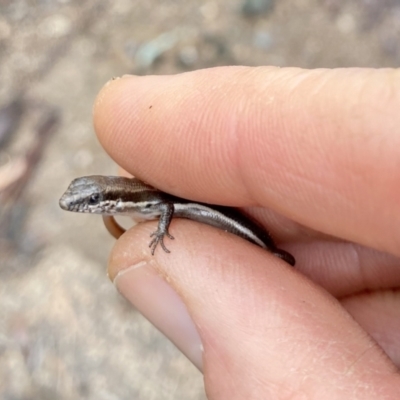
[122, 108]
[107, 110]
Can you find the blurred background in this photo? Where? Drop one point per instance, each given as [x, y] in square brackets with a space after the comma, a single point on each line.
[65, 333]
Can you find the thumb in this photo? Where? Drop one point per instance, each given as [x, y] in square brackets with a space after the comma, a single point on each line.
[253, 325]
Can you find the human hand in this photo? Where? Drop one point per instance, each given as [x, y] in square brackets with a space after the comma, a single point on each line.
[313, 155]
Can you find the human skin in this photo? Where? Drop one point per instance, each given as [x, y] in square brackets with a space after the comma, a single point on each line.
[315, 157]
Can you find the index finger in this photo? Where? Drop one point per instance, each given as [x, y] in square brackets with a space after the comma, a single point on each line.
[320, 147]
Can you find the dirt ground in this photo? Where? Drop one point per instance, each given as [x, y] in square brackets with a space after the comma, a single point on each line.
[65, 333]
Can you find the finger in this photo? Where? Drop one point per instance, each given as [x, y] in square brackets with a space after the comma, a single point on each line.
[344, 268]
[320, 147]
[267, 332]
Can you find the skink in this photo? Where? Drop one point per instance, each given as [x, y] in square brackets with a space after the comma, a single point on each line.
[114, 195]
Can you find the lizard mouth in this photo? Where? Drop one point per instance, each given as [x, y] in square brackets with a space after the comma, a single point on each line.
[64, 203]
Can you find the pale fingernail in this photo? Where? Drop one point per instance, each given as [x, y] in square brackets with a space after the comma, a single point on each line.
[160, 304]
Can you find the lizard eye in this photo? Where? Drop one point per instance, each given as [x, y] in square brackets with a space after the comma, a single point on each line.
[94, 198]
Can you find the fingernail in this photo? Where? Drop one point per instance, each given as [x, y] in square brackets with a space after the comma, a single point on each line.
[142, 286]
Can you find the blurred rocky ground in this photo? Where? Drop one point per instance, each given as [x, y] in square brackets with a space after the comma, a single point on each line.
[65, 333]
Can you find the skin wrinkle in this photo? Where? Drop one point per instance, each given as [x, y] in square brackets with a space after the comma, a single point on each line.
[118, 140]
[387, 92]
[231, 149]
[308, 381]
[393, 94]
[235, 140]
[306, 183]
[358, 173]
[275, 76]
[230, 153]
[360, 357]
[253, 181]
[381, 268]
[308, 372]
[201, 121]
[249, 138]
[284, 128]
[317, 83]
[229, 378]
[338, 283]
[383, 304]
[357, 269]
[352, 281]
[233, 387]
[347, 283]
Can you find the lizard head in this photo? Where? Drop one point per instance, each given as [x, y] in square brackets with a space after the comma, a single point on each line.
[85, 195]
